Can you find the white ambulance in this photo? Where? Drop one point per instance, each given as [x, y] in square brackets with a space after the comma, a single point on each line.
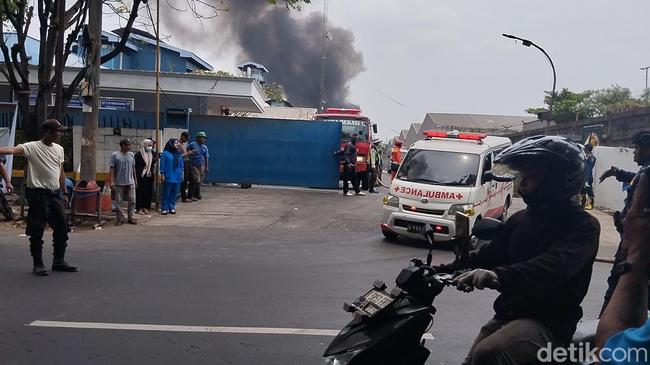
[448, 172]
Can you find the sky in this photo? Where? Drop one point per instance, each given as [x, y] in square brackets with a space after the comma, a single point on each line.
[424, 56]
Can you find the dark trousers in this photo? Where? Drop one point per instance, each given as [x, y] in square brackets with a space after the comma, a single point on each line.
[185, 184]
[144, 192]
[197, 173]
[46, 207]
[509, 342]
[588, 190]
[5, 208]
[373, 178]
[350, 174]
[612, 280]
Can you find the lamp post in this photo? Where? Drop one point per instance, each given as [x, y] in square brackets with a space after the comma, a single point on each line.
[646, 82]
[528, 43]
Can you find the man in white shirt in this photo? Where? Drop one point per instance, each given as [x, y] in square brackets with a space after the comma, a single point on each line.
[46, 195]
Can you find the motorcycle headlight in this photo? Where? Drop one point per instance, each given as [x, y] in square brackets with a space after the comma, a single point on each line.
[462, 208]
[360, 159]
[391, 201]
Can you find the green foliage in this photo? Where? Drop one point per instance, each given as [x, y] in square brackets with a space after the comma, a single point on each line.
[569, 106]
[291, 4]
[273, 91]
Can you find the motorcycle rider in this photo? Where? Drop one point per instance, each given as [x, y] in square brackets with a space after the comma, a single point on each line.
[541, 262]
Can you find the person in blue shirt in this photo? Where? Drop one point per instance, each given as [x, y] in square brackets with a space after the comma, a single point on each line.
[171, 170]
[199, 165]
[623, 334]
[629, 179]
[587, 193]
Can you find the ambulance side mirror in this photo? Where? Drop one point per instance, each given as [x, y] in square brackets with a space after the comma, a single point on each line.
[487, 177]
[374, 128]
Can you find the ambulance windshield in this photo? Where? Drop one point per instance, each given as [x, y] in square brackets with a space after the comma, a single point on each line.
[439, 168]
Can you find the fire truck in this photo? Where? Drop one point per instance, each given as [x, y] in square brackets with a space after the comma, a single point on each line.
[353, 122]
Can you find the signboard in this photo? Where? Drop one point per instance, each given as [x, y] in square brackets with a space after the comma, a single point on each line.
[108, 103]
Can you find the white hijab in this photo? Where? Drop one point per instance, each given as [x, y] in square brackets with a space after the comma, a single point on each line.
[147, 156]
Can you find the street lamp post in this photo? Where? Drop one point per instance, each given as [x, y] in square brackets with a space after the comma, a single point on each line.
[528, 43]
[646, 82]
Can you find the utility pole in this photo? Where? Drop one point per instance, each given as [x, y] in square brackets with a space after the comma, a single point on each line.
[91, 104]
[322, 102]
[646, 82]
[158, 136]
[60, 66]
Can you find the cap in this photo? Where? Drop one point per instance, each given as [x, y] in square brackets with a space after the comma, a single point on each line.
[52, 124]
[125, 141]
[202, 134]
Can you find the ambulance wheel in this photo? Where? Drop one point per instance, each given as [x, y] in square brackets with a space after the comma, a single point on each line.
[389, 235]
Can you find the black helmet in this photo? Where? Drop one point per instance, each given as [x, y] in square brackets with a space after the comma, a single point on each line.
[566, 158]
[641, 139]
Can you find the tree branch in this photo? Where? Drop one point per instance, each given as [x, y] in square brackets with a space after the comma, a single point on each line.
[125, 34]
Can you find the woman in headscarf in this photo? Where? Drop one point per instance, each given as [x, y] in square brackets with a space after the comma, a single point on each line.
[145, 161]
[171, 170]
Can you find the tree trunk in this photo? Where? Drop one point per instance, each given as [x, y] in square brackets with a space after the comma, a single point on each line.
[91, 119]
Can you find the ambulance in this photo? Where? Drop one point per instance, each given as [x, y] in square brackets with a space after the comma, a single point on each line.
[446, 173]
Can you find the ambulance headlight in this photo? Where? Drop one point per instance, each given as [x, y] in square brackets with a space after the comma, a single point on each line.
[462, 208]
[391, 201]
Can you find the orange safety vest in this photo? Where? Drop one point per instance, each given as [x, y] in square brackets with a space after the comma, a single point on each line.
[395, 154]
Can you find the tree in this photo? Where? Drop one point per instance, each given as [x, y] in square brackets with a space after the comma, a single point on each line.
[17, 16]
[273, 92]
[567, 106]
[571, 106]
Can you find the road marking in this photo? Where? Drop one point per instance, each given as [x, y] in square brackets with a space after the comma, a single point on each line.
[195, 329]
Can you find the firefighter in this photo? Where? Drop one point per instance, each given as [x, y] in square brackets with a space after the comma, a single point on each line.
[395, 158]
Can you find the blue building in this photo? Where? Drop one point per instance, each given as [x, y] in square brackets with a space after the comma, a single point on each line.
[254, 70]
[32, 47]
[139, 53]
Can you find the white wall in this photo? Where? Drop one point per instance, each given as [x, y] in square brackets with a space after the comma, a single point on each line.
[609, 194]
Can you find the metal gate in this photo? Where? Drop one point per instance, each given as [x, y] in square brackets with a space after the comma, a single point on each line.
[271, 151]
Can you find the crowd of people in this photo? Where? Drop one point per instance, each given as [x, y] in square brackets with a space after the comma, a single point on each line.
[183, 166]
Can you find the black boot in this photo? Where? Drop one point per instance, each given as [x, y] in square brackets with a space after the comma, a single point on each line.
[39, 268]
[59, 264]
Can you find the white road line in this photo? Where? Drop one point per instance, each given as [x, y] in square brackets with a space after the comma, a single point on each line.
[195, 329]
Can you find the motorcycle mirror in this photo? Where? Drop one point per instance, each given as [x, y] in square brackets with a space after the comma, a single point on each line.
[430, 237]
[503, 178]
[488, 228]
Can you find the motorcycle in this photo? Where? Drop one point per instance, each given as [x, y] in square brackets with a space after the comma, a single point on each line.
[388, 325]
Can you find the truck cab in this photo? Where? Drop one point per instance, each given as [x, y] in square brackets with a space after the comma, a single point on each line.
[446, 173]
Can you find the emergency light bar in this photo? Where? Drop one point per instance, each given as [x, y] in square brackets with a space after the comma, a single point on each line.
[343, 111]
[457, 135]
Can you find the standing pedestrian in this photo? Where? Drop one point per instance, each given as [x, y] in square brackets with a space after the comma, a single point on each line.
[185, 137]
[145, 162]
[123, 181]
[199, 165]
[171, 170]
[375, 168]
[395, 158]
[5, 208]
[587, 192]
[630, 180]
[46, 195]
[349, 167]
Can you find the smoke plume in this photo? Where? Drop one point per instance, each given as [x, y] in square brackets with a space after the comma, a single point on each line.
[289, 47]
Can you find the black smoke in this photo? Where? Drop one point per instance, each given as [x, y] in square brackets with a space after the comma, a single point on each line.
[289, 46]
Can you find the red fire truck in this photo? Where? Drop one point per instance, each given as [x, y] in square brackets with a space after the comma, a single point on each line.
[353, 122]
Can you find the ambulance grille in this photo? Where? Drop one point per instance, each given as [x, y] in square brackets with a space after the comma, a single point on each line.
[411, 208]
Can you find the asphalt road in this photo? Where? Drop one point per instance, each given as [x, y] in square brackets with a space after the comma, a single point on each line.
[262, 258]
